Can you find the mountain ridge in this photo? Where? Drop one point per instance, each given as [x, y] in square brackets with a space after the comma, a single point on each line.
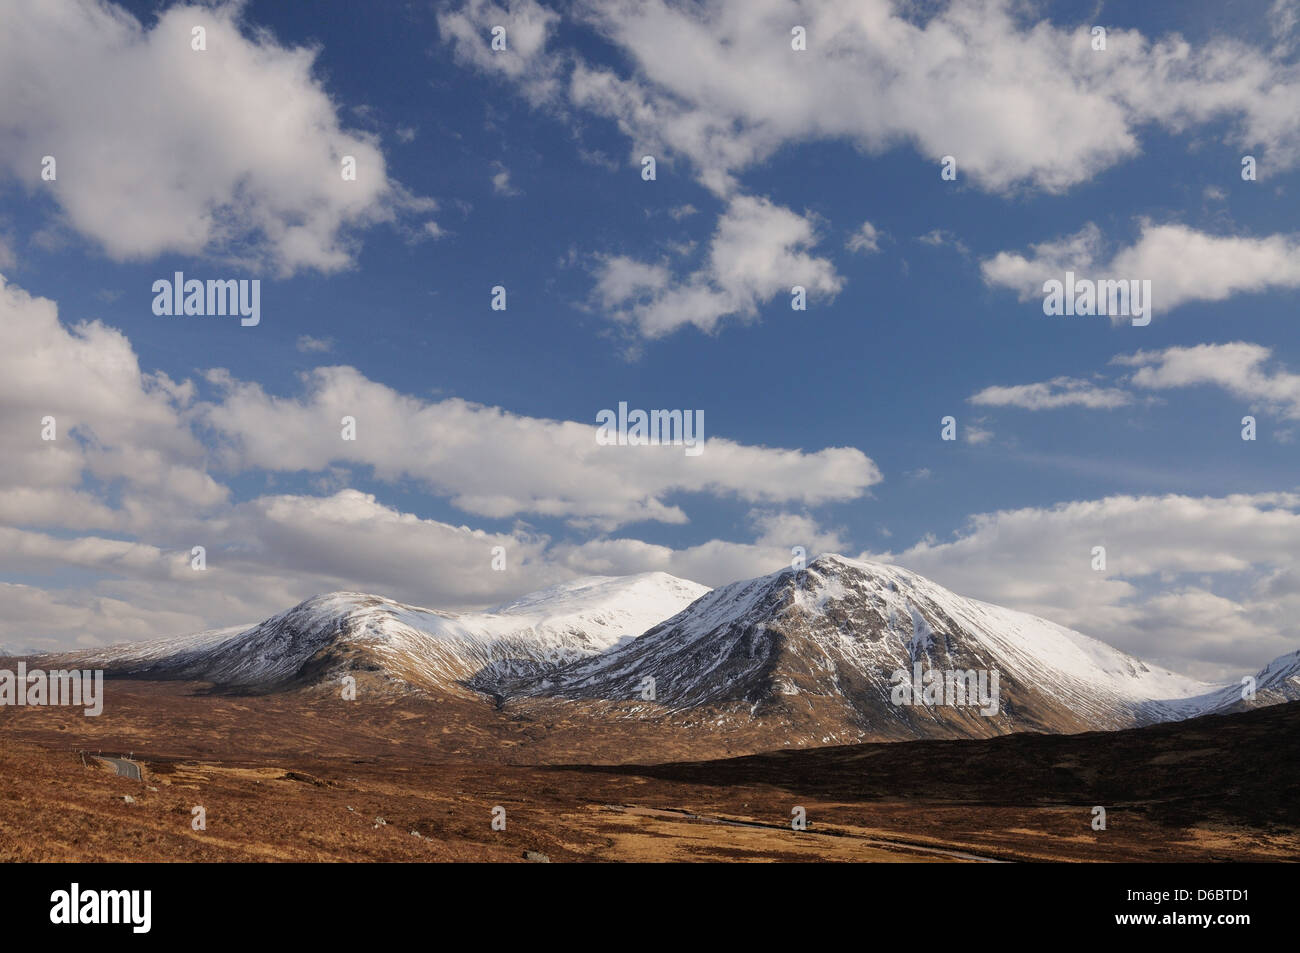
[389, 642]
[823, 654]
[829, 640]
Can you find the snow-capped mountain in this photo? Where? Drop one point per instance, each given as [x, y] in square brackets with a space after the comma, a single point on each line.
[1275, 683]
[816, 651]
[832, 653]
[354, 633]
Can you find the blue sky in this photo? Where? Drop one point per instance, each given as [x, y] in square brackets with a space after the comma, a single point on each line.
[522, 168]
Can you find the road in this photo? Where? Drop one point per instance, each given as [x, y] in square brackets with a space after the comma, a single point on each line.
[125, 768]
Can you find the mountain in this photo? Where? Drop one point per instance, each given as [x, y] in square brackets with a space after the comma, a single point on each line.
[812, 654]
[822, 655]
[1276, 683]
[390, 643]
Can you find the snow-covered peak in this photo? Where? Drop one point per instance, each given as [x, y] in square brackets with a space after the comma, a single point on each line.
[426, 647]
[610, 609]
[817, 649]
[1011, 634]
[1275, 683]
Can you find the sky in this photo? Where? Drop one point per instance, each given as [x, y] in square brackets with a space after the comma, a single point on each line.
[919, 169]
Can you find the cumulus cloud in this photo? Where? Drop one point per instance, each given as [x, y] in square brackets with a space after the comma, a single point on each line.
[758, 251]
[233, 151]
[43, 620]
[715, 562]
[112, 422]
[1017, 101]
[1207, 585]
[527, 27]
[115, 503]
[1247, 372]
[1187, 579]
[497, 464]
[1182, 264]
[1238, 367]
[272, 551]
[1244, 370]
[262, 556]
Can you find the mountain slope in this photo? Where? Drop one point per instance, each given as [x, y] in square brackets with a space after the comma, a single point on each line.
[345, 632]
[814, 651]
[804, 657]
[1276, 683]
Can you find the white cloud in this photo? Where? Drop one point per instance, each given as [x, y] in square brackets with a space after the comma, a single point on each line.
[621, 279]
[528, 26]
[40, 620]
[271, 552]
[713, 563]
[940, 238]
[501, 181]
[497, 464]
[1187, 581]
[1019, 103]
[1016, 101]
[118, 500]
[759, 250]
[234, 151]
[1181, 263]
[310, 345]
[1050, 259]
[1049, 395]
[1237, 367]
[1240, 368]
[1284, 23]
[865, 240]
[112, 422]
[262, 557]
